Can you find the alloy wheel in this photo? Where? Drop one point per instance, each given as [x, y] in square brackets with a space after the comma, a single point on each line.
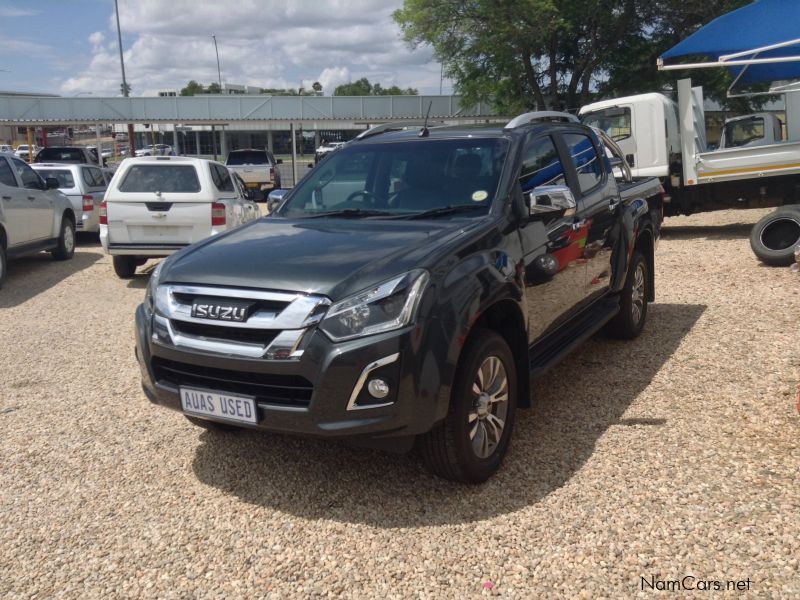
[487, 417]
[638, 293]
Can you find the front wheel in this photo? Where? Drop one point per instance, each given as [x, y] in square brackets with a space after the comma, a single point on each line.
[66, 241]
[632, 314]
[471, 442]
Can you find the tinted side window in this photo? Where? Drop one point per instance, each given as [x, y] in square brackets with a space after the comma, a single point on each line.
[541, 165]
[222, 178]
[30, 179]
[93, 177]
[6, 174]
[584, 157]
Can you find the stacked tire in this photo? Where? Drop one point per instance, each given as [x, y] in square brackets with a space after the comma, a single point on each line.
[774, 238]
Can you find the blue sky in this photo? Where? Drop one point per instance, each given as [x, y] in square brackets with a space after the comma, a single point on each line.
[69, 47]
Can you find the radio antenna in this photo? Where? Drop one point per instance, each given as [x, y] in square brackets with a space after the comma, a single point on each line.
[425, 132]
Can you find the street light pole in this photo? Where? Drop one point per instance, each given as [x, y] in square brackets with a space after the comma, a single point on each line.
[219, 82]
[131, 142]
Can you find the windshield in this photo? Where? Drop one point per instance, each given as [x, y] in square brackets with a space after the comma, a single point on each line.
[63, 176]
[60, 155]
[743, 131]
[160, 178]
[615, 121]
[402, 177]
[253, 157]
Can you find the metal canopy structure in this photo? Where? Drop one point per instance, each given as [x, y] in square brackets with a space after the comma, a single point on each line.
[223, 110]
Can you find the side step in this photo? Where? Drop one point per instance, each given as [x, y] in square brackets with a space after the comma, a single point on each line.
[561, 342]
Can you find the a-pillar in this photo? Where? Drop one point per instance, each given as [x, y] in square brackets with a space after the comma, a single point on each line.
[197, 142]
[269, 142]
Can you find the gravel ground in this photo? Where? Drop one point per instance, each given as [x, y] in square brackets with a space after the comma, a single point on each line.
[675, 455]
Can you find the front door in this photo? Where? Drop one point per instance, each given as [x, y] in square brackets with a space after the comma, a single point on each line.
[40, 202]
[15, 206]
[555, 274]
[597, 198]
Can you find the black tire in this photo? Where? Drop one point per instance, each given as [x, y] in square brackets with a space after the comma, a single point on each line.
[774, 237]
[124, 266]
[629, 321]
[449, 448]
[3, 265]
[211, 425]
[66, 241]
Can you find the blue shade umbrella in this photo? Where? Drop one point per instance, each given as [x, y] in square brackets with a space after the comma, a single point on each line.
[758, 43]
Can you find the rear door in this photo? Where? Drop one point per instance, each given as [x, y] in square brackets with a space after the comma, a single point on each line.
[15, 205]
[158, 204]
[40, 202]
[598, 204]
[227, 194]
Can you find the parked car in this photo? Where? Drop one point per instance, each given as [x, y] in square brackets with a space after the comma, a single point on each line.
[156, 150]
[34, 215]
[5, 148]
[155, 206]
[66, 154]
[23, 153]
[326, 149]
[257, 168]
[84, 185]
[406, 289]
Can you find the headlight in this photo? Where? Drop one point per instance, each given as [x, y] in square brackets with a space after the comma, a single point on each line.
[384, 307]
[151, 286]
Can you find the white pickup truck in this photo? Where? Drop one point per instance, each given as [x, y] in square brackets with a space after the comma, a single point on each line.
[154, 206]
[257, 168]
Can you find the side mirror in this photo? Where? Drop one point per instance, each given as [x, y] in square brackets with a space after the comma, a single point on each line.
[275, 198]
[551, 199]
[279, 161]
[51, 183]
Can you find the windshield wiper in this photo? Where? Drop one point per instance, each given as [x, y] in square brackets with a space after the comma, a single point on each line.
[445, 210]
[350, 212]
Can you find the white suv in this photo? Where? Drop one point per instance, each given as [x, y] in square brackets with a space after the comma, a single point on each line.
[155, 206]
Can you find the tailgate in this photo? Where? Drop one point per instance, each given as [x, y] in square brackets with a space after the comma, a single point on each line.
[253, 174]
[150, 223]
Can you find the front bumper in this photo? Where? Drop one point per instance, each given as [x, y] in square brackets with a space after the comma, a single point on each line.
[332, 371]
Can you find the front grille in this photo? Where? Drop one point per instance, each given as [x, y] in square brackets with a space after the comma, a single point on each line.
[258, 305]
[229, 334]
[282, 390]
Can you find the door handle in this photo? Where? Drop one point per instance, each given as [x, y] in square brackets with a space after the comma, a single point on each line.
[6, 197]
[31, 197]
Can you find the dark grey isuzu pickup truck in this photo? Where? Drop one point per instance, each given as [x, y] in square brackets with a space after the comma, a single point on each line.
[408, 289]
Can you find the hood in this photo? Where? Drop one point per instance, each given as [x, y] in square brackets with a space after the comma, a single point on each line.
[332, 257]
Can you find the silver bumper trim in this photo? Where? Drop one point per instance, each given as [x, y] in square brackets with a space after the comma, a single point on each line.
[381, 362]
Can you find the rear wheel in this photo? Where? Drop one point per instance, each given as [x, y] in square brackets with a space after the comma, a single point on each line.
[211, 425]
[66, 241]
[471, 442]
[775, 236]
[124, 266]
[632, 314]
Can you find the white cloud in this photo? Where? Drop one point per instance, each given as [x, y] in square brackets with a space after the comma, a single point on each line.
[265, 44]
[9, 12]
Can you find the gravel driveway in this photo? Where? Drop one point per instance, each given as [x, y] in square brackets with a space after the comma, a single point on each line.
[675, 455]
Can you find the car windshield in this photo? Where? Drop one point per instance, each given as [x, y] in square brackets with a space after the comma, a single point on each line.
[615, 121]
[744, 131]
[60, 154]
[63, 176]
[160, 178]
[250, 157]
[402, 178]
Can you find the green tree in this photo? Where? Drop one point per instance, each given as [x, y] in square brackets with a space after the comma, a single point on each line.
[192, 89]
[125, 89]
[213, 88]
[317, 87]
[363, 87]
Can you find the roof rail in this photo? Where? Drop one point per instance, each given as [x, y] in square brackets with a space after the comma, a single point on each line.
[394, 126]
[551, 116]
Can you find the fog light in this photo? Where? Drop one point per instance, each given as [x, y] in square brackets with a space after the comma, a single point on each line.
[378, 388]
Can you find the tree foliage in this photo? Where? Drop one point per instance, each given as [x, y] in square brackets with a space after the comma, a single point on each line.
[558, 54]
[363, 87]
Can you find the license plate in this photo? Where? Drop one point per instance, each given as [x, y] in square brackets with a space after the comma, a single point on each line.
[218, 405]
